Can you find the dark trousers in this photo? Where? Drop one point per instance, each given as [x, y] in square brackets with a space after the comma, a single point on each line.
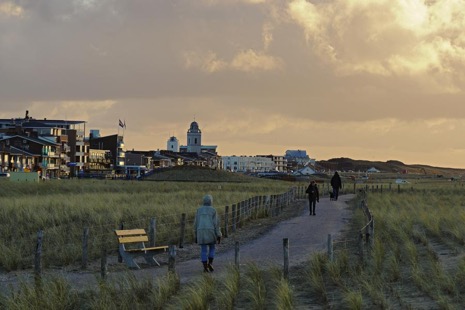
[335, 192]
[311, 205]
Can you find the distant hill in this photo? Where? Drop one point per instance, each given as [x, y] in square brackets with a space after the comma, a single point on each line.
[390, 166]
[197, 174]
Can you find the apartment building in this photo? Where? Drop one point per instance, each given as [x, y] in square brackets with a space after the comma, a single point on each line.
[248, 164]
[54, 148]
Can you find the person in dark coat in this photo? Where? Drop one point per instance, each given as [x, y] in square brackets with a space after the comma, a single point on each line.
[207, 232]
[313, 196]
[336, 184]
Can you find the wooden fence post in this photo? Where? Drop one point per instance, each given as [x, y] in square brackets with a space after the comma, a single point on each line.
[172, 259]
[153, 232]
[286, 258]
[233, 218]
[103, 263]
[372, 231]
[360, 246]
[237, 256]
[38, 255]
[239, 214]
[183, 230]
[330, 248]
[85, 240]
[226, 221]
[120, 258]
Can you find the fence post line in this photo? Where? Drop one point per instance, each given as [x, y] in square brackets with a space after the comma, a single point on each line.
[226, 220]
[237, 256]
[183, 230]
[330, 248]
[85, 241]
[233, 218]
[153, 232]
[286, 258]
[172, 258]
[38, 256]
[120, 258]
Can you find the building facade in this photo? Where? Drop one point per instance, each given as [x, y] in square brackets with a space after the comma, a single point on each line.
[115, 145]
[248, 164]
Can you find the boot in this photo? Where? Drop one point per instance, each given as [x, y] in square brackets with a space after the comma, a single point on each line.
[205, 267]
[210, 262]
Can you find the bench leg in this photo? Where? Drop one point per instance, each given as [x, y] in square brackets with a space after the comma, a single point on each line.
[128, 259]
[150, 259]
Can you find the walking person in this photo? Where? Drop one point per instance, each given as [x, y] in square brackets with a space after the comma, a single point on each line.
[313, 196]
[207, 232]
[336, 184]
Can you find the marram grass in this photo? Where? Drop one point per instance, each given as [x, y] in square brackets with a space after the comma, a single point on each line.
[63, 209]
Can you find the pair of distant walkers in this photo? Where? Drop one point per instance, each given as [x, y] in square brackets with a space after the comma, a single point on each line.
[314, 194]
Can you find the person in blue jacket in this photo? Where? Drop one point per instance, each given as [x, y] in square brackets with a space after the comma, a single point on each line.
[207, 232]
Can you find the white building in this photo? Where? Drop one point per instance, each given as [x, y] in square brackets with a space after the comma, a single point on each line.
[304, 171]
[194, 141]
[248, 164]
[279, 161]
[173, 144]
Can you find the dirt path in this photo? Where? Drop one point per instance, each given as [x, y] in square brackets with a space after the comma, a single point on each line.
[306, 234]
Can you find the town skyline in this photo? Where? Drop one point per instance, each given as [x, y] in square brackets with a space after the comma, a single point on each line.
[377, 81]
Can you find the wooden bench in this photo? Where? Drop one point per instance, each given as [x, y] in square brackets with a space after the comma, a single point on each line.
[131, 244]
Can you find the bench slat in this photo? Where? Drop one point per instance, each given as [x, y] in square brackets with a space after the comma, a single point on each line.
[133, 239]
[129, 232]
[157, 248]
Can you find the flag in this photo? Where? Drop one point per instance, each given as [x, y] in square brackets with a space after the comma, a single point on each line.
[124, 124]
[121, 124]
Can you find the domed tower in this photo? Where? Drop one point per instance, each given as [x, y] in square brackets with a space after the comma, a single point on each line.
[173, 144]
[194, 138]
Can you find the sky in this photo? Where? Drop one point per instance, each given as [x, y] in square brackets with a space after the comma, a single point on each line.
[375, 80]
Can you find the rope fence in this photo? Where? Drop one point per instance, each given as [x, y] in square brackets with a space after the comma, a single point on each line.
[364, 238]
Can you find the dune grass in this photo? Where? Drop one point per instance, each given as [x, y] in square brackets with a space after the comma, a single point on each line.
[417, 261]
[63, 208]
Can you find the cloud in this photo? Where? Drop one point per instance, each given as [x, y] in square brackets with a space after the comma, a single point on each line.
[251, 60]
[417, 39]
[77, 110]
[207, 62]
[11, 9]
[245, 61]
[232, 2]
[267, 35]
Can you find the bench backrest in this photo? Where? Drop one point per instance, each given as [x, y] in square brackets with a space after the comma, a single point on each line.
[131, 236]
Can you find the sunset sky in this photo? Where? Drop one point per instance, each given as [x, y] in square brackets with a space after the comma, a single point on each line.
[364, 79]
